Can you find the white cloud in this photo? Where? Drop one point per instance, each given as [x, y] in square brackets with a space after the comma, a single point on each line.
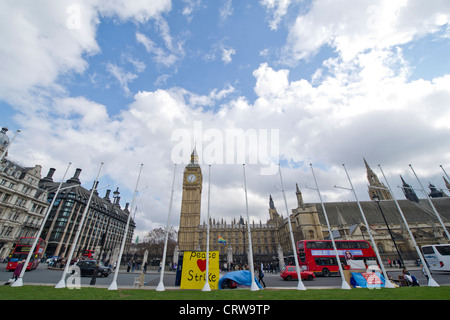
[145, 41]
[194, 100]
[138, 10]
[43, 40]
[190, 7]
[270, 82]
[226, 55]
[279, 9]
[122, 76]
[173, 51]
[353, 27]
[226, 10]
[34, 50]
[343, 117]
[138, 64]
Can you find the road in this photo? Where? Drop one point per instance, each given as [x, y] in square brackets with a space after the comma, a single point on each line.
[42, 275]
[275, 281]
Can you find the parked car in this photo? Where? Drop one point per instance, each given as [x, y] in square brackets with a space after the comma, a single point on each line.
[52, 258]
[289, 273]
[87, 268]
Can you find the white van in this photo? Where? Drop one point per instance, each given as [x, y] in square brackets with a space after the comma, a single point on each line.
[437, 256]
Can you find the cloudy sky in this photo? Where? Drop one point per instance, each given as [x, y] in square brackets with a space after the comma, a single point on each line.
[326, 82]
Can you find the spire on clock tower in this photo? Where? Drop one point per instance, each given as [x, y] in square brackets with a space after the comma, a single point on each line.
[194, 157]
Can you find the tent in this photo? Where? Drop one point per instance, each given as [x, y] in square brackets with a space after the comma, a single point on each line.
[237, 279]
[367, 280]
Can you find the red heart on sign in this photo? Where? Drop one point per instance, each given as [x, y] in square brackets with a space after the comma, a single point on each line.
[201, 264]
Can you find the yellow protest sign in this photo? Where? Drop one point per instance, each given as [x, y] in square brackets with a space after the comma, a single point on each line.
[194, 269]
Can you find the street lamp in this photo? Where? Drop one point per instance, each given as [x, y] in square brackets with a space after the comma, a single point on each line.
[4, 130]
[377, 200]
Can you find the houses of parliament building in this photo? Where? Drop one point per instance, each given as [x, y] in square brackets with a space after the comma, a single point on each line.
[308, 222]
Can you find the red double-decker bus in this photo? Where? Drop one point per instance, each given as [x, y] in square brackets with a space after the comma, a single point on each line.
[21, 251]
[319, 257]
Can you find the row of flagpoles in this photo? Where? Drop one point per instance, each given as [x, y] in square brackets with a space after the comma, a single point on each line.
[253, 287]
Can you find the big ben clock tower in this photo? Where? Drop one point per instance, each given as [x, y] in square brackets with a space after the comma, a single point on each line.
[190, 205]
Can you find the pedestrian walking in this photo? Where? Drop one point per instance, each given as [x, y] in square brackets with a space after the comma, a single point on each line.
[145, 267]
[424, 272]
[261, 276]
[18, 270]
[130, 263]
[390, 262]
[94, 275]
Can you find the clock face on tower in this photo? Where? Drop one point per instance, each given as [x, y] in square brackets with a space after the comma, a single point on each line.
[191, 178]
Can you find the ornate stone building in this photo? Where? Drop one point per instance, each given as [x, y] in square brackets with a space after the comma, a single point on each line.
[103, 228]
[22, 203]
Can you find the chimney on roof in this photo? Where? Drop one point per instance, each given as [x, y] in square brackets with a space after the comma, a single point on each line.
[107, 195]
[75, 178]
[94, 186]
[49, 176]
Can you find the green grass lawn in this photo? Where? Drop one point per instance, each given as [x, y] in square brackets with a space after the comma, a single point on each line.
[50, 293]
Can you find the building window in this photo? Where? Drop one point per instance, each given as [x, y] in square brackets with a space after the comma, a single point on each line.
[6, 231]
[20, 202]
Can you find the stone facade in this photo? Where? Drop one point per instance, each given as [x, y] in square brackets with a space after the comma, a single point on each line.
[23, 203]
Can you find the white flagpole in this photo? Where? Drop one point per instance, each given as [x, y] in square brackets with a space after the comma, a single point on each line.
[387, 282]
[160, 286]
[344, 285]
[300, 285]
[19, 281]
[207, 287]
[253, 286]
[113, 285]
[431, 204]
[431, 281]
[62, 282]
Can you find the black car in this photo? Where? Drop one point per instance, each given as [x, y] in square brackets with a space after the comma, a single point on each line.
[87, 268]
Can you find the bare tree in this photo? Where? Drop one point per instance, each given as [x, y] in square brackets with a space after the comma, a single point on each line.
[154, 243]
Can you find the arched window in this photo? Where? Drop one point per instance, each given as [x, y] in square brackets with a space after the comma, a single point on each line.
[380, 248]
